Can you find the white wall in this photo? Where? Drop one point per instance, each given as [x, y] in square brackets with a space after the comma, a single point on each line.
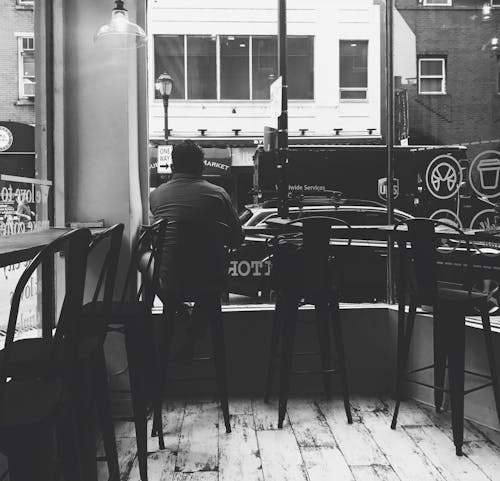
[328, 21]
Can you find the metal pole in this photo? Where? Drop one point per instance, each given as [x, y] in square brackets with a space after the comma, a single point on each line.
[389, 68]
[165, 114]
[283, 118]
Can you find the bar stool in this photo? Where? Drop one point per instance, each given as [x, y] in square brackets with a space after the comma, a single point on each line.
[450, 302]
[34, 408]
[303, 273]
[132, 317]
[32, 356]
[197, 269]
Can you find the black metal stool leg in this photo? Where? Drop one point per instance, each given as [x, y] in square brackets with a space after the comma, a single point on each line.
[137, 388]
[403, 362]
[339, 344]
[324, 339]
[217, 331]
[289, 319]
[273, 352]
[101, 392]
[440, 357]
[491, 357]
[456, 332]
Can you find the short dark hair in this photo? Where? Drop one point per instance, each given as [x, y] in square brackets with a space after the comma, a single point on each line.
[187, 158]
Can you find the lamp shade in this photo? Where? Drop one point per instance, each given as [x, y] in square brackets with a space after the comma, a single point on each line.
[120, 32]
[164, 84]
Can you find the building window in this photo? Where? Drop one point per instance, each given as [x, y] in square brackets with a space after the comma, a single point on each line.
[431, 75]
[24, 3]
[495, 3]
[26, 63]
[353, 70]
[437, 3]
[232, 67]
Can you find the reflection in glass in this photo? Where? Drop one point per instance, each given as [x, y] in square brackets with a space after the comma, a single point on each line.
[234, 79]
[201, 67]
[169, 57]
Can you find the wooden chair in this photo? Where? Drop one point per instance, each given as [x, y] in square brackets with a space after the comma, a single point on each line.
[34, 407]
[303, 273]
[450, 304]
[197, 271]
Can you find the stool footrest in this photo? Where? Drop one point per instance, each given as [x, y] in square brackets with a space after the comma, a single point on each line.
[313, 371]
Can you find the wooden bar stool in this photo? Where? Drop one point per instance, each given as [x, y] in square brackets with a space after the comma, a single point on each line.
[450, 304]
[197, 271]
[303, 273]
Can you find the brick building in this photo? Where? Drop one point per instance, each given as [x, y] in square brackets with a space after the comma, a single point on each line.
[17, 64]
[455, 97]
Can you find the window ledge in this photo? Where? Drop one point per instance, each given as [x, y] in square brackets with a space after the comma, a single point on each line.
[24, 7]
[25, 102]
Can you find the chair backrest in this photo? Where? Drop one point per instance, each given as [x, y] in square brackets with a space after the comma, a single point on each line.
[197, 260]
[76, 245]
[107, 275]
[148, 251]
[424, 241]
[301, 259]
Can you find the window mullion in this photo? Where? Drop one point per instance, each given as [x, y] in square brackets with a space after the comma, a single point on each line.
[250, 65]
[185, 69]
[217, 65]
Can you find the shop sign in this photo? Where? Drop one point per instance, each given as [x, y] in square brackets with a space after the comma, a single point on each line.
[217, 166]
[484, 174]
[6, 138]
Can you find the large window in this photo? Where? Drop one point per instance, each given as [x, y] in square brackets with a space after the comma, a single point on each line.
[432, 75]
[353, 70]
[232, 67]
[26, 66]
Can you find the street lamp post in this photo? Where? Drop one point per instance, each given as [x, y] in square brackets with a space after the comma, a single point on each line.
[164, 84]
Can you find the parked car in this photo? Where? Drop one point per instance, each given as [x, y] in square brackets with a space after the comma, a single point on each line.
[250, 267]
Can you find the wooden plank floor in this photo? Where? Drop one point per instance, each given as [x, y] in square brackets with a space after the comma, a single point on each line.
[316, 444]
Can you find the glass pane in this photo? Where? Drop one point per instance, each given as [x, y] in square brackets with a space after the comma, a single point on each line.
[353, 94]
[353, 69]
[28, 66]
[29, 88]
[169, 58]
[300, 67]
[264, 65]
[234, 78]
[201, 67]
[431, 67]
[431, 85]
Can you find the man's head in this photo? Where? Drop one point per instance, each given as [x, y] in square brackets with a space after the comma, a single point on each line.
[187, 158]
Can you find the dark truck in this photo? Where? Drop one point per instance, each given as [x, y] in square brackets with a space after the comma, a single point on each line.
[429, 181]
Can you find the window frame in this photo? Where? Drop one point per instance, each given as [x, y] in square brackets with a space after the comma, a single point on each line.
[443, 3]
[21, 53]
[442, 59]
[355, 89]
[495, 3]
[218, 97]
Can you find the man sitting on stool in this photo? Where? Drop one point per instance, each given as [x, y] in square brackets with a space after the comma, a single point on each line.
[188, 197]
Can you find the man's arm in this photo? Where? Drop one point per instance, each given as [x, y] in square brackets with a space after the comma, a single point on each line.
[230, 217]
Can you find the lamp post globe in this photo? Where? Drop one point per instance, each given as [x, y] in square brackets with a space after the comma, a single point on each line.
[164, 85]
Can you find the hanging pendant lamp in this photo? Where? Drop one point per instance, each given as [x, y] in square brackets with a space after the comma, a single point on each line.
[120, 32]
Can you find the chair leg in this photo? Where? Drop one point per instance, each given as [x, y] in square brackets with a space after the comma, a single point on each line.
[289, 319]
[67, 446]
[217, 332]
[101, 393]
[323, 329]
[339, 345]
[456, 333]
[440, 357]
[137, 388]
[403, 362]
[491, 357]
[273, 352]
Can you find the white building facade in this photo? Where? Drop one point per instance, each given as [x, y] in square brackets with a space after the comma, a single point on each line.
[222, 56]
